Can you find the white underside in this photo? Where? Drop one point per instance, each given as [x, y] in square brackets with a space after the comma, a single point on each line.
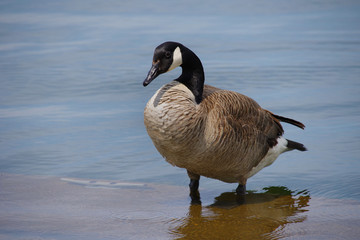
[271, 156]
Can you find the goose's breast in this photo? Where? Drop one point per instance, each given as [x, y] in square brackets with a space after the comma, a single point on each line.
[170, 116]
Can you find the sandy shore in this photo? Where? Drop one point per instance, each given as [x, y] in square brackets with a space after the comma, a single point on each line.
[36, 207]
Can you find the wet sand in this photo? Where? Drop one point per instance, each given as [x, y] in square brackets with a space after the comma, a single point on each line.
[37, 207]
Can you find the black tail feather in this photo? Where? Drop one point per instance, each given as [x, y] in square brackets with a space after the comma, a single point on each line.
[289, 120]
[295, 145]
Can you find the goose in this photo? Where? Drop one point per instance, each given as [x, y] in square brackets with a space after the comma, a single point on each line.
[208, 131]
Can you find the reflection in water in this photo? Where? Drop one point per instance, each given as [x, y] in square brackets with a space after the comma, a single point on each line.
[260, 216]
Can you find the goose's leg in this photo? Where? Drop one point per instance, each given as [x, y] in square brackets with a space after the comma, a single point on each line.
[241, 189]
[194, 188]
[240, 192]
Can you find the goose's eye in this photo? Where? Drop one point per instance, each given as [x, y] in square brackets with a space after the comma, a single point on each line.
[167, 54]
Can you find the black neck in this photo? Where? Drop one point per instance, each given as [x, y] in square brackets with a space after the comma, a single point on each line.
[192, 74]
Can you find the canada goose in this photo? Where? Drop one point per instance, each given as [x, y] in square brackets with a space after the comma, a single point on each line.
[209, 131]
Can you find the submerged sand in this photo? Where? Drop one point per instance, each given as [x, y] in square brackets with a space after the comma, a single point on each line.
[36, 207]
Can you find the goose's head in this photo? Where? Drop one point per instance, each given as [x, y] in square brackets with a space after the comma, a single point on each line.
[167, 56]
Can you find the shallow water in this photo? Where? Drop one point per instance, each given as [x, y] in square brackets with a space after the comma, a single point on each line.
[71, 95]
[36, 207]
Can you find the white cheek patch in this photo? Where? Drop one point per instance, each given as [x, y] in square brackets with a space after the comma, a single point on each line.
[177, 59]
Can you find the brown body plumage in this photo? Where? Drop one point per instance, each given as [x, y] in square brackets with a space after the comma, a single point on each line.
[224, 137]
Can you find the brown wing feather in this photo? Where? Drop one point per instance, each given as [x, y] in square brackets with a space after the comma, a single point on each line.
[242, 122]
[241, 110]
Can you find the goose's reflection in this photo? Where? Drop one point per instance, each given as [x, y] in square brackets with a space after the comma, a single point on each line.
[257, 216]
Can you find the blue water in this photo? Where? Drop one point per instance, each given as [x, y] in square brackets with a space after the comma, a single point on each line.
[72, 100]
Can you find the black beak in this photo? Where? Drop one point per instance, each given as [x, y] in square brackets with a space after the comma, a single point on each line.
[153, 73]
